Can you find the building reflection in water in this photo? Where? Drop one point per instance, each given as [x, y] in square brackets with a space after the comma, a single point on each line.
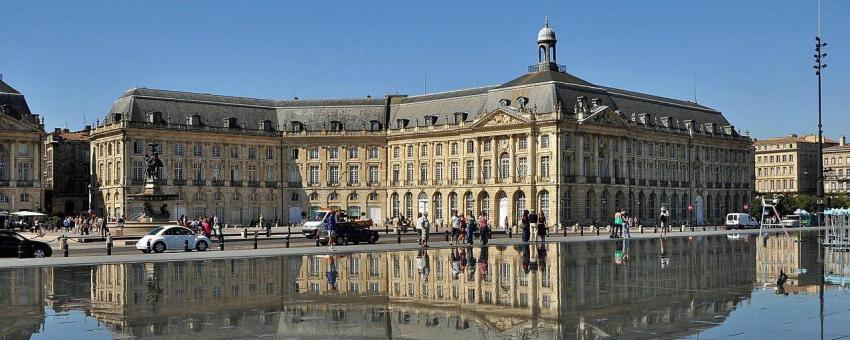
[658, 288]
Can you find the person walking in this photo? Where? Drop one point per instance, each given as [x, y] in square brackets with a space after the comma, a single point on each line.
[525, 226]
[484, 227]
[424, 229]
[541, 227]
[330, 226]
[461, 222]
[665, 225]
[629, 224]
[206, 228]
[618, 221]
[532, 222]
[455, 224]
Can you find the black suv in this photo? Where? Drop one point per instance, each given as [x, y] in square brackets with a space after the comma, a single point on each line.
[11, 241]
[350, 233]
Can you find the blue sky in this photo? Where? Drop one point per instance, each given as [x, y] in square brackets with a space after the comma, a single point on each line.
[751, 59]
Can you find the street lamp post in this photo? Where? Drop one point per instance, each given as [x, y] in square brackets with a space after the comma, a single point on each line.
[819, 66]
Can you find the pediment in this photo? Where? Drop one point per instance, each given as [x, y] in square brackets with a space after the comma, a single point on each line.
[498, 118]
[605, 116]
[9, 123]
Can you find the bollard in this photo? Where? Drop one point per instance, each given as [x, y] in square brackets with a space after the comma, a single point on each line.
[255, 239]
[221, 242]
[565, 231]
[655, 228]
[703, 228]
[148, 246]
[65, 245]
[109, 244]
[20, 250]
[510, 232]
[597, 231]
[317, 239]
[244, 232]
[186, 245]
[581, 230]
[268, 232]
[447, 236]
[398, 235]
[641, 229]
[287, 241]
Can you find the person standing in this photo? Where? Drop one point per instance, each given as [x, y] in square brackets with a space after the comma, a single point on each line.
[618, 221]
[526, 226]
[206, 228]
[484, 227]
[424, 230]
[455, 222]
[628, 224]
[461, 237]
[541, 227]
[330, 225]
[470, 229]
[665, 224]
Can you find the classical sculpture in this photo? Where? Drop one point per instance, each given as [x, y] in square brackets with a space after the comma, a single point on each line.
[153, 163]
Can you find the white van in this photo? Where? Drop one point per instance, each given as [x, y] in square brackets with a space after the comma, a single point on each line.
[740, 221]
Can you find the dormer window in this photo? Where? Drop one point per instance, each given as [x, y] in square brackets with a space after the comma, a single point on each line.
[375, 125]
[595, 102]
[116, 117]
[230, 123]
[522, 101]
[266, 126]
[430, 120]
[296, 126]
[155, 118]
[402, 123]
[460, 117]
[194, 120]
[505, 102]
[336, 125]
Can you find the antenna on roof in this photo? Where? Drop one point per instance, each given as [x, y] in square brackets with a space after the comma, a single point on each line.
[695, 87]
[426, 82]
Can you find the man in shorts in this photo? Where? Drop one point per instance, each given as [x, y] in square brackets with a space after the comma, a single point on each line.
[455, 221]
[423, 225]
[330, 226]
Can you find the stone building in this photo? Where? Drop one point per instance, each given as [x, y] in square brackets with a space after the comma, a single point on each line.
[787, 164]
[67, 171]
[20, 153]
[546, 140]
[836, 164]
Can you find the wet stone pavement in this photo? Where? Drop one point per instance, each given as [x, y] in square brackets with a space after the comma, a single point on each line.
[706, 287]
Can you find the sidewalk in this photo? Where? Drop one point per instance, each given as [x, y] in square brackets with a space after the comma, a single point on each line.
[386, 244]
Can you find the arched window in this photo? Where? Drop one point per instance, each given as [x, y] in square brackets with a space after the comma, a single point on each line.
[520, 205]
[485, 204]
[353, 196]
[603, 208]
[438, 205]
[544, 203]
[373, 196]
[504, 166]
[296, 126]
[396, 205]
[469, 206]
[653, 209]
[314, 196]
[333, 196]
[375, 125]
[336, 125]
[453, 202]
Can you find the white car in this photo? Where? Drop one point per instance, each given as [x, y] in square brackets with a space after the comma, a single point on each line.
[167, 237]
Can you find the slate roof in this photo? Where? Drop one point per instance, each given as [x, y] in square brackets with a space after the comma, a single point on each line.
[14, 104]
[544, 89]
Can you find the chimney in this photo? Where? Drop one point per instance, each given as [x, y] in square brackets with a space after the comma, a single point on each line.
[842, 141]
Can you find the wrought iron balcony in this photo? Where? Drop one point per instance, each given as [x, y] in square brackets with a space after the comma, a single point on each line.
[178, 181]
[218, 182]
[271, 184]
[199, 182]
[254, 184]
[236, 183]
[26, 184]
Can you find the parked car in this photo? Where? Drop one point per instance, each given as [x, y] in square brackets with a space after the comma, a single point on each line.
[10, 241]
[740, 221]
[172, 237]
[791, 221]
[350, 232]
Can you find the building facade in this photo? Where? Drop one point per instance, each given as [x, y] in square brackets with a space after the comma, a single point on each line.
[67, 171]
[547, 141]
[836, 164]
[787, 165]
[21, 132]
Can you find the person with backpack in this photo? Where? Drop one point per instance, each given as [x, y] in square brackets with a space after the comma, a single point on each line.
[541, 228]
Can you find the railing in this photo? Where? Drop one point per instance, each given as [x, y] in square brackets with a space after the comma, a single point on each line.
[631, 181]
[203, 128]
[590, 179]
[24, 183]
[271, 184]
[199, 182]
[544, 67]
[569, 179]
[217, 182]
[642, 182]
[620, 180]
[352, 184]
[653, 182]
[178, 181]
[373, 183]
[236, 183]
[311, 184]
[254, 184]
[605, 180]
[333, 184]
[664, 183]
[674, 184]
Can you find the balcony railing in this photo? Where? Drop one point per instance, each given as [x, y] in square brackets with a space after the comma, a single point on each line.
[653, 182]
[570, 179]
[137, 181]
[217, 182]
[271, 184]
[605, 180]
[199, 182]
[620, 180]
[727, 185]
[631, 181]
[236, 183]
[590, 179]
[254, 184]
[664, 183]
[26, 184]
[178, 181]
[642, 182]
[352, 184]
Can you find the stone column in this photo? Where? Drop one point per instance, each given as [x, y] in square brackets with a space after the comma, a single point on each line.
[13, 163]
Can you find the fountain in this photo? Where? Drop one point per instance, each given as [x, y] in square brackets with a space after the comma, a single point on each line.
[155, 211]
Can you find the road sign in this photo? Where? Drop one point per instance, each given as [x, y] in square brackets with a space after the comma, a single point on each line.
[690, 207]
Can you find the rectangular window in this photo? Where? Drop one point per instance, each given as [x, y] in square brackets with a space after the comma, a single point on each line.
[544, 166]
[178, 171]
[396, 152]
[453, 150]
[438, 171]
[313, 153]
[409, 172]
[488, 146]
[423, 171]
[423, 150]
[216, 172]
[252, 173]
[353, 174]
[522, 169]
[234, 152]
[470, 170]
[216, 151]
[235, 176]
[198, 171]
[453, 171]
[314, 174]
[137, 171]
[438, 149]
[333, 153]
[269, 153]
[470, 147]
[197, 150]
[333, 174]
[24, 172]
[373, 153]
[486, 169]
[138, 148]
[396, 173]
[374, 174]
[178, 149]
[353, 153]
[522, 143]
[293, 154]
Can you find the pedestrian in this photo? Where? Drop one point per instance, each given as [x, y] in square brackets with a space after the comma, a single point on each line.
[330, 225]
[470, 228]
[206, 228]
[455, 221]
[526, 226]
[484, 227]
[532, 221]
[541, 227]
[630, 223]
[425, 230]
[618, 221]
[665, 225]
[104, 230]
[461, 237]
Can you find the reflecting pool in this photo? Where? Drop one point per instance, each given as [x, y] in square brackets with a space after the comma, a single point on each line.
[699, 287]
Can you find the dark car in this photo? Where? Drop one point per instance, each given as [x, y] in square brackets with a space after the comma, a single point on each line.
[351, 233]
[11, 242]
